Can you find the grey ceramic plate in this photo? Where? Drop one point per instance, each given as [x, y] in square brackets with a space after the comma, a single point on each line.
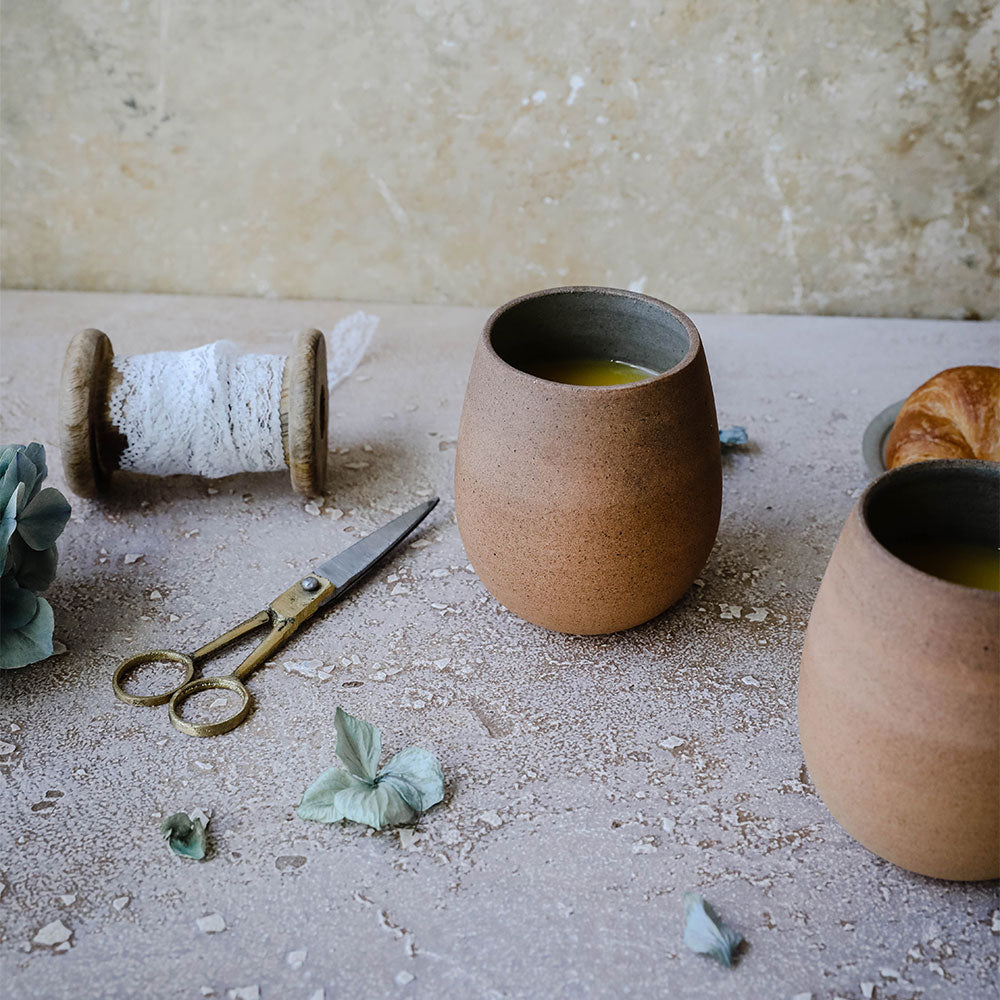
[873, 441]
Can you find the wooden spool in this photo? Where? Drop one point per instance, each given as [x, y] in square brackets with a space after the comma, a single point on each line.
[92, 445]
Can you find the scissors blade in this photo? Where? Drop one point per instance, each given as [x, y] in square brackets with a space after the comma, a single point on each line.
[346, 569]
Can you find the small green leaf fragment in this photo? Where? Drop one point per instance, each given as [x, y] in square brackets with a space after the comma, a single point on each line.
[186, 838]
[359, 745]
[416, 775]
[705, 933]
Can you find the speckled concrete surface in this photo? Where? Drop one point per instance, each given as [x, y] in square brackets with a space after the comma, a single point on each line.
[590, 782]
[734, 155]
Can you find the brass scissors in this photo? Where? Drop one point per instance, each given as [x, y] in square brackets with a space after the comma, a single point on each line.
[285, 615]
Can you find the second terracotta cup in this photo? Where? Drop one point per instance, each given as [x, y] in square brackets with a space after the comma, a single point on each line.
[588, 509]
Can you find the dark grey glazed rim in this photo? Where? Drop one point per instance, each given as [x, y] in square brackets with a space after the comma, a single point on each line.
[694, 337]
[960, 474]
[875, 436]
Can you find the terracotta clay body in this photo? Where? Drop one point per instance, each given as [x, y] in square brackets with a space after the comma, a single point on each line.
[588, 509]
[899, 689]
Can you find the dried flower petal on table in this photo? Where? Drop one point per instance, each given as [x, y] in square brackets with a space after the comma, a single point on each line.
[408, 785]
[705, 933]
[733, 437]
[185, 836]
[31, 519]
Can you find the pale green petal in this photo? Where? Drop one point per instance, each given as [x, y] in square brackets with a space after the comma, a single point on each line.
[34, 570]
[36, 453]
[705, 932]
[185, 837]
[8, 523]
[18, 605]
[43, 518]
[377, 807]
[319, 799]
[9, 480]
[359, 745]
[416, 774]
[29, 644]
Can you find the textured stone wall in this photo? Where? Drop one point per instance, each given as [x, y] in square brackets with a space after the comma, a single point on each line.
[803, 156]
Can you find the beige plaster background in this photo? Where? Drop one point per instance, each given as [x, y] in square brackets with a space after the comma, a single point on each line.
[727, 155]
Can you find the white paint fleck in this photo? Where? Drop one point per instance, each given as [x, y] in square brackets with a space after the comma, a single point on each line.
[296, 958]
[408, 837]
[538, 96]
[120, 902]
[750, 681]
[207, 991]
[211, 491]
[441, 664]
[757, 615]
[439, 573]
[305, 668]
[52, 934]
[868, 990]
[244, 993]
[995, 916]
[638, 284]
[728, 611]
[398, 590]
[65, 946]
[404, 978]
[575, 84]
[211, 923]
[68, 900]
[15, 728]
[490, 818]
[132, 557]
[203, 765]
[155, 595]
[311, 508]
[219, 703]
[6, 748]
[671, 743]
[420, 543]
[194, 814]
[888, 973]
[336, 514]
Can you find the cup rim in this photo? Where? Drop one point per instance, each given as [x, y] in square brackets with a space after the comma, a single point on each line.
[694, 337]
[916, 469]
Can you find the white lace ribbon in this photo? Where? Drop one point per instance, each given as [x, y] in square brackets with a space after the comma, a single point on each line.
[207, 412]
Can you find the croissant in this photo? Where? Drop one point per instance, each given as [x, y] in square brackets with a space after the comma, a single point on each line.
[955, 414]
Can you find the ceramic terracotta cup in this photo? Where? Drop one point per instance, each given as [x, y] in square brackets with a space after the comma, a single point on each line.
[588, 509]
[899, 688]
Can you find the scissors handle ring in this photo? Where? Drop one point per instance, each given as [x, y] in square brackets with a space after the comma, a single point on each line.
[151, 656]
[209, 684]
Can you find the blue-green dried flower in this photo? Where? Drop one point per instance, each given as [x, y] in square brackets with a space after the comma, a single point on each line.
[31, 519]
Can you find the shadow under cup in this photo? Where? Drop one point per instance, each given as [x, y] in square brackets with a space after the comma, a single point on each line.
[588, 509]
[899, 687]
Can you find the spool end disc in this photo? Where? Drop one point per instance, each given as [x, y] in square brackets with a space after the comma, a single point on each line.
[82, 405]
[307, 395]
